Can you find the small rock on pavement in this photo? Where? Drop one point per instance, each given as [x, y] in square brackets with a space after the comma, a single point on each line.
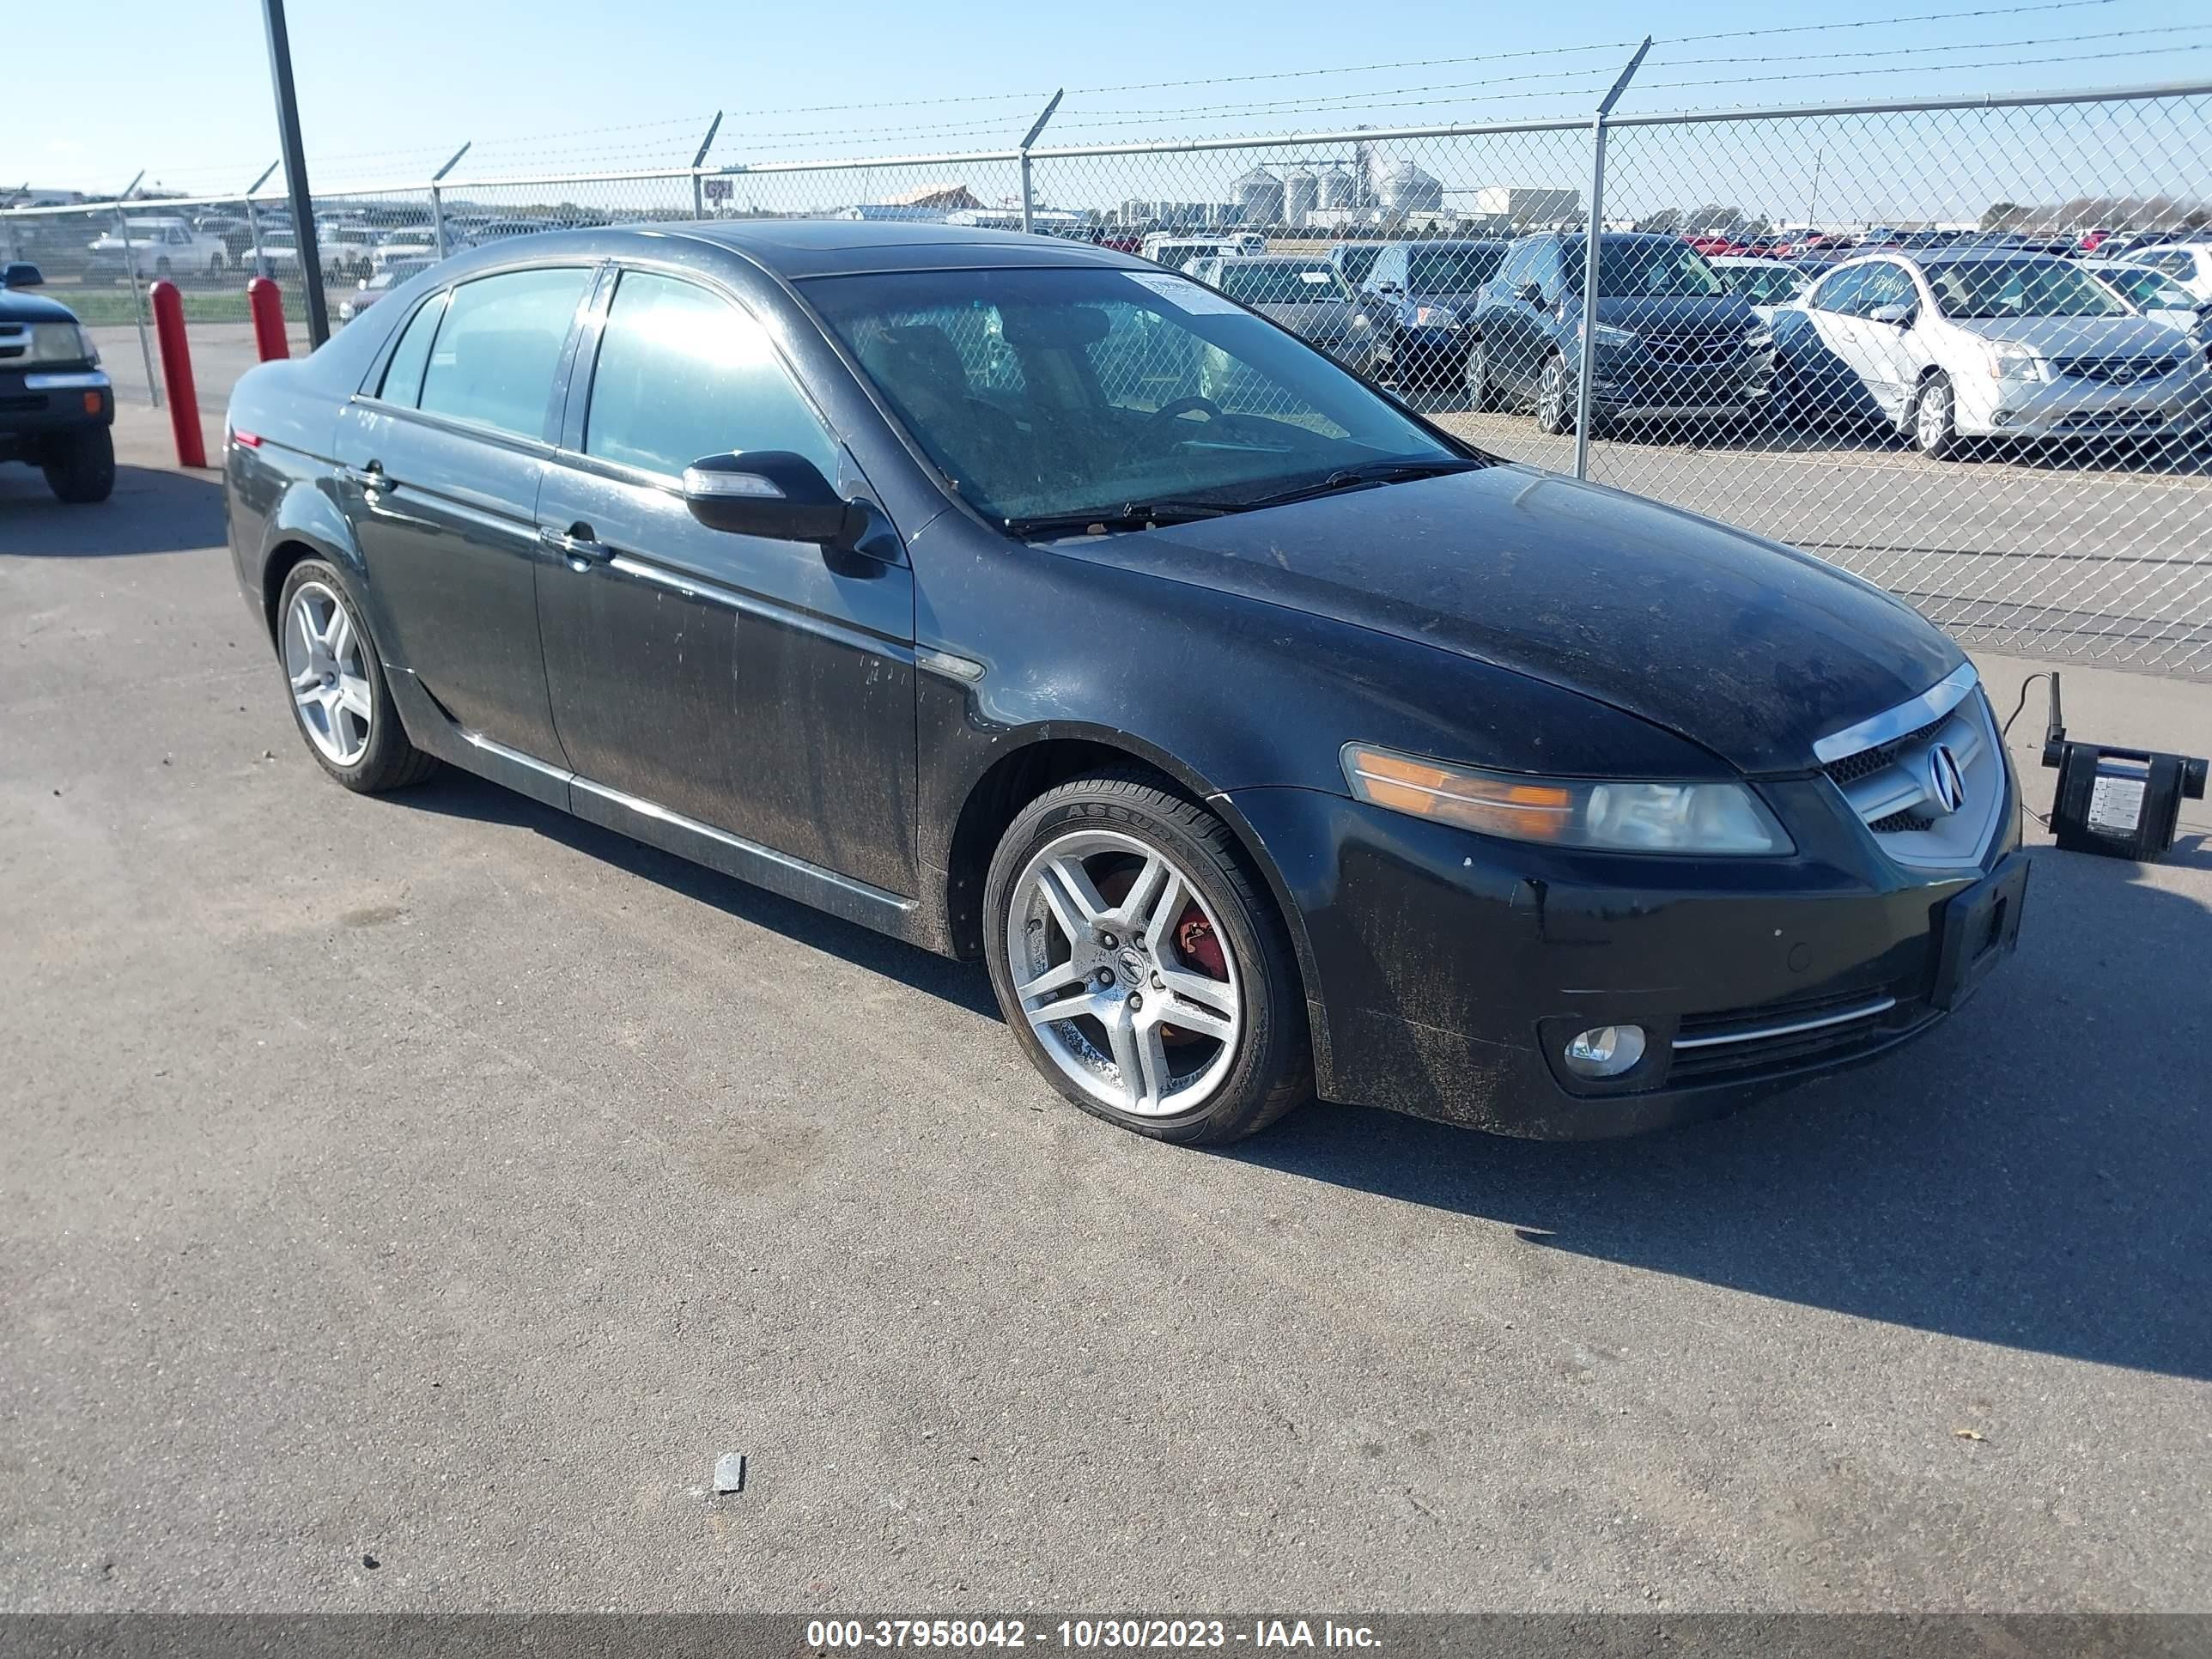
[730, 1472]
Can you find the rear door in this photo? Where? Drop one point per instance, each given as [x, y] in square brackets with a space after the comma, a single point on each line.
[764, 689]
[441, 459]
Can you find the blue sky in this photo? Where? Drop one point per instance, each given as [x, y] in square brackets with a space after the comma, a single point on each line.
[389, 88]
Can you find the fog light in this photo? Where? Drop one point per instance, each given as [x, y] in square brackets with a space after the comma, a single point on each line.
[1605, 1050]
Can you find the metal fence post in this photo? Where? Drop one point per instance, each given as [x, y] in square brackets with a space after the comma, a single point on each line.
[438, 198]
[253, 219]
[699, 184]
[1028, 196]
[1586, 372]
[139, 306]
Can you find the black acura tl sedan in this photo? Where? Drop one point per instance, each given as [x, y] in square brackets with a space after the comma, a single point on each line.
[1266, 748]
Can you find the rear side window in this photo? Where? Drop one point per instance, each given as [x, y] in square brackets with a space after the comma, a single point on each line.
[403, 375]
[494, 359]
[683, 372]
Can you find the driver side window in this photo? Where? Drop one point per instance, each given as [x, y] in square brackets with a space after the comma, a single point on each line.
[1841, 293]
[1886, 285]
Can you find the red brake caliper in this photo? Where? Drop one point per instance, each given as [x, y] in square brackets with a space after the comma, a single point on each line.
[1200, 949]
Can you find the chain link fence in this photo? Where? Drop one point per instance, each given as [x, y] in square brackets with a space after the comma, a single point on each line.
[1954, 346]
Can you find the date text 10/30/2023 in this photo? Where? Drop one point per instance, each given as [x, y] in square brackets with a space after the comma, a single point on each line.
[1085, 1635]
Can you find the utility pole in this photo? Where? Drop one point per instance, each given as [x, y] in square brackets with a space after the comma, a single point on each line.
[304, 240]
[1813, 194]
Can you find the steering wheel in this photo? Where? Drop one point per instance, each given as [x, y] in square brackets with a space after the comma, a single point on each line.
[1180, 407]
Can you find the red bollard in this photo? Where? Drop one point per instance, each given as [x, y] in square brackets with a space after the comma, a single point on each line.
[266, 301]
[176, 375]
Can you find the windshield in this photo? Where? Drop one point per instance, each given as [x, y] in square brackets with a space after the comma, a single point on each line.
[1356, 260]
[1452, 270]
[1061, 391]
[1764, 285]
[1280, 281]
[2019, 288]
[2147, 288]
[1657, 269]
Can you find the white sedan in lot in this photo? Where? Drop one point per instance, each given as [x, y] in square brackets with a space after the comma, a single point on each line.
[1990, 343]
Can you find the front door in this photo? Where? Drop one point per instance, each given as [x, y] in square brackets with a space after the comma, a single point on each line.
[764, 689]
[439, 477]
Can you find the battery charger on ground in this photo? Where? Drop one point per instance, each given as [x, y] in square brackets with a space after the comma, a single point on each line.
[2118, 803]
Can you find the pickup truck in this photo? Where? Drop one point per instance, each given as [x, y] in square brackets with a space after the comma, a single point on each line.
[160, 248]
[56, 403]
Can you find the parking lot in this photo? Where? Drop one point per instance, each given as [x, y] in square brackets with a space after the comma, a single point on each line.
[409, 1200]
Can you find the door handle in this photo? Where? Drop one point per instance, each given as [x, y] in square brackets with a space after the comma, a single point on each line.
[372, 476]
[577, 544]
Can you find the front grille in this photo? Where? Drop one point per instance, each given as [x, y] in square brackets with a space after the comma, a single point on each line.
[1867, 762]
[1691, 350]
[2119, 371]
[1897, 822]
[1745, 1043]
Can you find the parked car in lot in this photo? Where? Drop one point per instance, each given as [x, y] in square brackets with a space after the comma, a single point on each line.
[1424, 292]
[56, 405]
[1308, 296]
[1673, 342]
[1987, 343]
[158, 248]
[2153, 293]
[1764, 284]
[1353, 261]
[2190, 264]
[1177, 252]
[395, 274]
[404, 249]
[1258, 755]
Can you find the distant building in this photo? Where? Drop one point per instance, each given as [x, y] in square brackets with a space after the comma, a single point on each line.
[1519, 204]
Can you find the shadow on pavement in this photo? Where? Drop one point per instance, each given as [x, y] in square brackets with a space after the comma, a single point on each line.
[454, 793]
[2035, 1174]
[153, 510]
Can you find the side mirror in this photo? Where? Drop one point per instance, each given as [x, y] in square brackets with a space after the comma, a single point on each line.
[770, 493]
[1529, 292]
[18, 273]
[1899, 316]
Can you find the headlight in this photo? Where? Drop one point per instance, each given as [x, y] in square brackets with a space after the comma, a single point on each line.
[60, 342]
[1606, 814]
[1358, 321]
[2011, 363]
[1435, 317]
[1606, 336]
[1759, 339]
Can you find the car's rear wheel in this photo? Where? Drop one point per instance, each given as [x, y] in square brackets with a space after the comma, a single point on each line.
[162, 268]
[1935, 418]
[1142, 967]
[1480, 396]
[80, 468]
[339, 696]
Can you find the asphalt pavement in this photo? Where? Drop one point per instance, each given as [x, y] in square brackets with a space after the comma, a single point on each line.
[438, 1183]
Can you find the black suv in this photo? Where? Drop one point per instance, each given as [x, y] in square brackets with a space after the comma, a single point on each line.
[56, 405]
[1673, 341]
[1421, 296]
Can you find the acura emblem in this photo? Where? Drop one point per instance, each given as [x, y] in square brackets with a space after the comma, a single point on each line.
[1946, 790]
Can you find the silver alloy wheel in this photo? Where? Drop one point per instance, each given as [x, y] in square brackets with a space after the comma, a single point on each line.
[1107, 986]
[1551, 397]
[1932, 419]
[325, 659]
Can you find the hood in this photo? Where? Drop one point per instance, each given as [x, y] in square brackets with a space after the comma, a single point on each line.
[20, 305]
[2075, 336]
[1748, 648]
[1718, 313]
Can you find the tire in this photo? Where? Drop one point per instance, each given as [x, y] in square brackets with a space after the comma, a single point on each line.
[80, 468]
[1481, 397]
[1932, 419]
[1132, 841]
[384, 759]
[162, 268]
[1555, 409]
[214, 264]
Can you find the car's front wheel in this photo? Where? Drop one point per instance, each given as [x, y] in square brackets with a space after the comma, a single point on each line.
[339, 696]
[1142, 967]
[79, 469]
[1935, 418]
[1555, 399]
[1481, 396]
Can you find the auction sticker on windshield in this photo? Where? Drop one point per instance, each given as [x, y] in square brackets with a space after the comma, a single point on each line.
[1185, 294]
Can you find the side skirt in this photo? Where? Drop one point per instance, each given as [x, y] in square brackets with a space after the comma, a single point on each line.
[645, 821]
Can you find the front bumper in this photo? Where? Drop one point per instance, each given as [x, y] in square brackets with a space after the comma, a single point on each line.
[37, 404]
[1429, 353]
[1631, 386]
[1447, 970]
[2173, 406]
